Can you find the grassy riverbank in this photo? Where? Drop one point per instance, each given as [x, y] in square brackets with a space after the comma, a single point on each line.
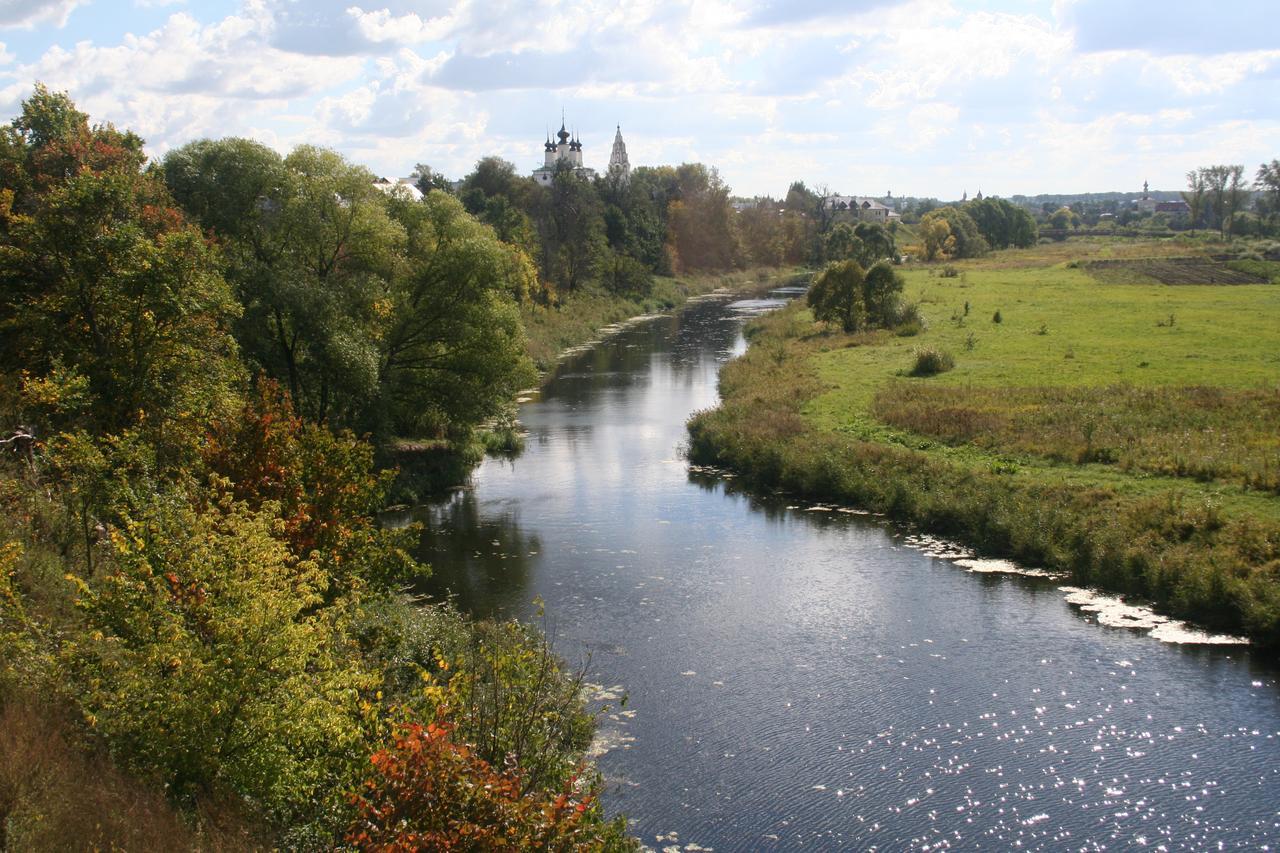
[1123, 431]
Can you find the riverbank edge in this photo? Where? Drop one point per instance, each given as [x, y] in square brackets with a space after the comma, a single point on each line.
[584, 319]
[1185, 559]
[429, 468]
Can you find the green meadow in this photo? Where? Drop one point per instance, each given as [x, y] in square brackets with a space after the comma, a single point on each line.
[1109, 426]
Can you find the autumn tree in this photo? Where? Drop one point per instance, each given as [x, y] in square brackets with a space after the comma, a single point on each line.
[104, 282]
[935, 233]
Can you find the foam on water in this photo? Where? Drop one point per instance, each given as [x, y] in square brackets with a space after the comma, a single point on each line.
[1001, 567]
[1116, 613]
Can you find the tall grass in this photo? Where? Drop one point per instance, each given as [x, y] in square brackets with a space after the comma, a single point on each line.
[57, 792]
[1204, 433]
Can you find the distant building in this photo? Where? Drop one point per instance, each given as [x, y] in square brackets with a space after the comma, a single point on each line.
[1147, 203]
[567, 153]
[408, 185]
[1178, 206]
[862, 207]
[619, 165]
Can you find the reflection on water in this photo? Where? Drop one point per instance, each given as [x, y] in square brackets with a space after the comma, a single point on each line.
[802, 676]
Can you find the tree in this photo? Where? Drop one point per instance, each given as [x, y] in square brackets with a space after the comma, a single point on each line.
[843, 244]
[1194, 196]
[968, 239]
[427, 179]
[1062, 219]
[1235, 196]
[1267, 182]
[880, 293]
[1224, 191]
[104, 281]
[569, 217]
[836, 295]
[1002, 223]
[761, 232]
[877, 242]
[311, 247]
[935, 232]
[699, 228]
[451, 353]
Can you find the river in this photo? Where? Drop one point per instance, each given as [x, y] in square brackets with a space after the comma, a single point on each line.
[803, 677]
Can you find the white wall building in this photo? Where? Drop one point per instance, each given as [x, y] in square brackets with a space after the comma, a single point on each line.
[862, 207]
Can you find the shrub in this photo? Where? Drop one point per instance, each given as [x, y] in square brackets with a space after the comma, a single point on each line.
[996, 318]
[931, 361]
[949, 272]
[430, 792]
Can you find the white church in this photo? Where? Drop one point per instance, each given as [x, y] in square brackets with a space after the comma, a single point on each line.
[567, 153]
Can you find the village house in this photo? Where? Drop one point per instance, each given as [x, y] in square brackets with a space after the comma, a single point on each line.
[868, 209]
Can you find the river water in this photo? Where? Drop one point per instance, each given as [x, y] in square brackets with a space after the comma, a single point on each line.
[801, 677]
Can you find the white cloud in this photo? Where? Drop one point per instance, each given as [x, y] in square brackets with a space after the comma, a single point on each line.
[29, 13]
[923, 95]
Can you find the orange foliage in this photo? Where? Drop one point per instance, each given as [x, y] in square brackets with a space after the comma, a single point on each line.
[430, 793]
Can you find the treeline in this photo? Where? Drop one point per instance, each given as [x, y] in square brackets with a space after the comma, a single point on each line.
[606, 232]
[194, 588]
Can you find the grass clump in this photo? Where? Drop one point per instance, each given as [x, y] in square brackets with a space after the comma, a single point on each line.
[931, 361]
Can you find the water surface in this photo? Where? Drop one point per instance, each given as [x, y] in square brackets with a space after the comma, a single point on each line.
[800, 678]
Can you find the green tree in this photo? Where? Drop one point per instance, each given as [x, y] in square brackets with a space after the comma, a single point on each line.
[1002, 223]
[836, 295]
[310, 251]
[1267, 182]
[427, 179]
[207, 663]
[1224, 192]
[569, 216]
[452, 353]
[877, 241]
[1062, 219]
[843, 244]
[881, 290]
[1194, 196]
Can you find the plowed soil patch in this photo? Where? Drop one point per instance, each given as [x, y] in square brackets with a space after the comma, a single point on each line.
[1168, 271]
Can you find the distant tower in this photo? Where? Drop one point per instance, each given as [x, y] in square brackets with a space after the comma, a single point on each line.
[618, 163]
[1144, 189]
[965, 197]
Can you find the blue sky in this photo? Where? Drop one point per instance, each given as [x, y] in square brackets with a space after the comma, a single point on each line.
[920, 97]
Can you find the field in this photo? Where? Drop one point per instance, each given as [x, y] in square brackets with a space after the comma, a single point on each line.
[1126, 432]
[1171, 271]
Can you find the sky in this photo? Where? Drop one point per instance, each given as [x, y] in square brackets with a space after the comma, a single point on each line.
[914, 97]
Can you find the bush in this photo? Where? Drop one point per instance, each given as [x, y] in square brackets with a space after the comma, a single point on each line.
[931, 361]
[430, 792]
